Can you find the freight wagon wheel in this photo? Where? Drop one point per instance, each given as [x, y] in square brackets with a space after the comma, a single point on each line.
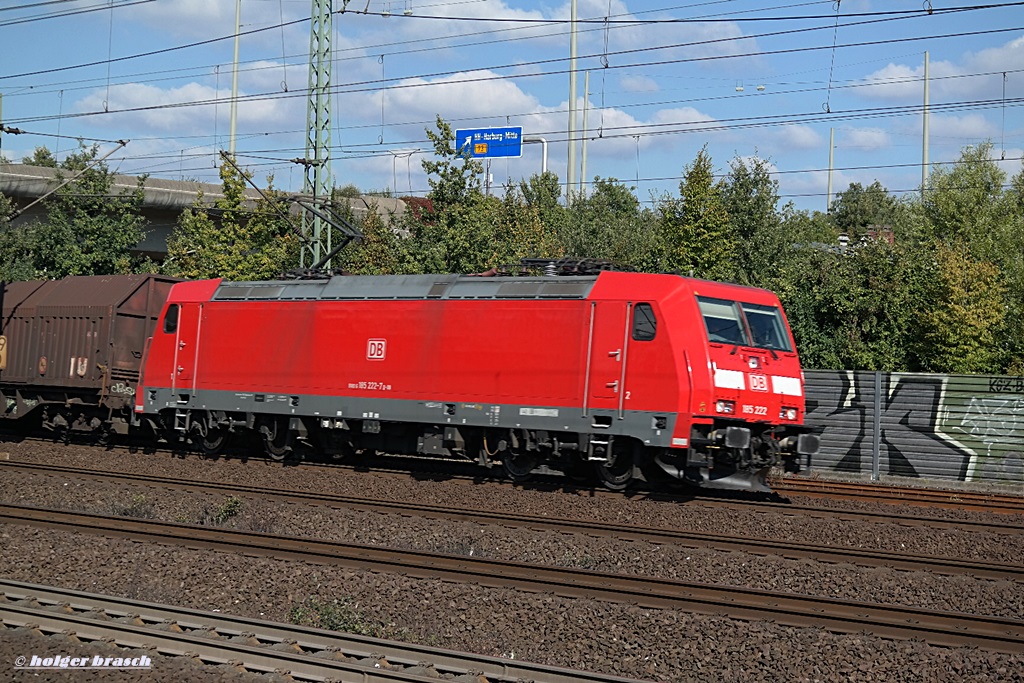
[616, 474]
[277, 439]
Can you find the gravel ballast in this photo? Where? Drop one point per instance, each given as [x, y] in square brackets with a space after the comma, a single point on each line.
[651, 644]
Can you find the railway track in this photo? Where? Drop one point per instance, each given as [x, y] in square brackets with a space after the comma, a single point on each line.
[305, 653]
[974, 501]
[1012, 527]
[797, 486]
[843, 616]
[657, 536]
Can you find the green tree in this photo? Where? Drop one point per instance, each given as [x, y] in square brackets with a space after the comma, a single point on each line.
[88, 229]
[41, 157]
[859, 209]
[242, 244]
[455, 234]
[520, 231]
[350, 191]
[17, 247]
[609, 224]
[541, 192]
[1012, 268]
[381, 251]
[454, 177]
[693, 228]
[964, 203]
[851, 309]
[959, 329]
[968, 204]
[750, 198]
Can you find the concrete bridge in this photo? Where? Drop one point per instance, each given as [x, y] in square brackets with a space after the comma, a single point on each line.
[164, 200]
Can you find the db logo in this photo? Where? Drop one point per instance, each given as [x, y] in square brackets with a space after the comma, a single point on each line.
[758, 382]
[376, 349]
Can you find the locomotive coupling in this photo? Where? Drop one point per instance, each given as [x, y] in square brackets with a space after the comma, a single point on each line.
[731, 437]
[804, 444]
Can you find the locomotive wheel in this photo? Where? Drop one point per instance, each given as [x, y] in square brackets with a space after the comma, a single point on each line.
[518, 466]
[617, 474]
[277, 439]
[205, 435]
[213, 442]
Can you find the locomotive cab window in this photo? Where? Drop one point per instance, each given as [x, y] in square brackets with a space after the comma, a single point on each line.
[724, 321]
[766, 327]
[171, 319]
[645, 325]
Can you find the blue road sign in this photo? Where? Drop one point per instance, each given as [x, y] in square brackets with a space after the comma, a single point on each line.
[491, 142]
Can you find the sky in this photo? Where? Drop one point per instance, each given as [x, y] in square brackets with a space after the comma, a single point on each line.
[774, 79]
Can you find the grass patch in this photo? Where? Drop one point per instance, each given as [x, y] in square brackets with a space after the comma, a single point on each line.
[225, 512]
[334, 615]
[137, 507]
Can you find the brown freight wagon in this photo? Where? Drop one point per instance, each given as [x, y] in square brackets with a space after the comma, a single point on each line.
[71, 350]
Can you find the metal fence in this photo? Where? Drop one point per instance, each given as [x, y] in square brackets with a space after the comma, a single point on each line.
[957, 427]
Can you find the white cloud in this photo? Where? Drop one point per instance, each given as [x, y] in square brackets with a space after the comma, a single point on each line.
[638, 84]
[173, 110]
[893, 82]
[750, 159]
[949, 79]
[465, 95]
[795, 136]
[969, 128]
[681, 116]
[864, 139]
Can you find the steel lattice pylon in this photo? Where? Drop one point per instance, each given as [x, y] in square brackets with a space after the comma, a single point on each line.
[318, 132]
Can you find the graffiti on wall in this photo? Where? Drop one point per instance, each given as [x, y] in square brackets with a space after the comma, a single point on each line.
[993, 424]
[955, 427]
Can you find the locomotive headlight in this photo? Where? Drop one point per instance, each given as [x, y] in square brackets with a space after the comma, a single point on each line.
[725, 407]
[788, 414]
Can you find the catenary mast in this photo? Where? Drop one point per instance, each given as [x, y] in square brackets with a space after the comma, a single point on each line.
[318, 133]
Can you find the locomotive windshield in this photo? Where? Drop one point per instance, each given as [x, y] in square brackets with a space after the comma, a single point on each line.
[743, 324]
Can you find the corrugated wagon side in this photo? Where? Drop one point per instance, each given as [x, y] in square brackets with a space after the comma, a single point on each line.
[72, 349]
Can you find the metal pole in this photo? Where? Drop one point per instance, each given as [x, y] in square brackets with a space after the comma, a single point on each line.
[876, 429]
[831, 149]
[318, 132]
[570, 173]
[924, 131]
[586, 109]
[234, 79]
[544, 144]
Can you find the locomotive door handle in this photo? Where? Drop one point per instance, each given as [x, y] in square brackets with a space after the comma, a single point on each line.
[181, 344]
[617, 354]
[181, 369]
[614, 386]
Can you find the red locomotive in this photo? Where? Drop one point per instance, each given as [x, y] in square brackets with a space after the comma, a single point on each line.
[605, 375]
[614, 372]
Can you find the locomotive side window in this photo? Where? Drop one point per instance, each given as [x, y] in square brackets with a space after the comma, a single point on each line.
[645, 325]
[766, 327]
[171, 319]
[724, 321]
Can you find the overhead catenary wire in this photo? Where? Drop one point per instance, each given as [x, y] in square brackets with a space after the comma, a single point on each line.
[635, 65]
[884, 17]
[642, 129]
[371, 85]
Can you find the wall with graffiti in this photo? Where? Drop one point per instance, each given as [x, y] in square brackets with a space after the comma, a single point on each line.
[962, 427]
